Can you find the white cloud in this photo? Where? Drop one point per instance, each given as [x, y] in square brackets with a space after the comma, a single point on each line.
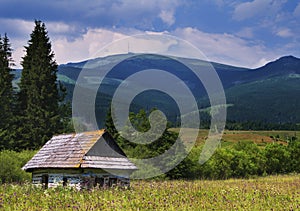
[263, 61]
[249, 9]
[16, 26]
[227, 48]
[19, 33]
[257, 8]
[223, 48]
[285, 33]
[59, 27]
[93, 44]
[84, 47]
[167, 17]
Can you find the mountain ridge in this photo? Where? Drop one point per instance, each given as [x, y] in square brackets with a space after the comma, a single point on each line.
[282, 59]
[254, 95]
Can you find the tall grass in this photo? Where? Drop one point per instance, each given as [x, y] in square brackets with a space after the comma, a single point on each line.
[270, 193]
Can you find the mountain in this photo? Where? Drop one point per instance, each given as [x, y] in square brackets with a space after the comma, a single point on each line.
[268, 95]
[272, 94]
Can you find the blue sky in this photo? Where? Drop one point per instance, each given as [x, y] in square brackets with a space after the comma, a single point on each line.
[236, 32]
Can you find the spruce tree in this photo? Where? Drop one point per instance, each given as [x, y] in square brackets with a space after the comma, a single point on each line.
[110, 126]
[39, 98]
[6, 94]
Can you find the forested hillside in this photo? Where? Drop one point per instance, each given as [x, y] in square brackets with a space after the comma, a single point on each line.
[262, 98]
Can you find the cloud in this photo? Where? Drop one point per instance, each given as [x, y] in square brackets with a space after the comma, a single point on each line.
[223, 48]
[19, 32]
[71, 42]
[249, 9]
[167, 17]
[257, 8]
[103, 42]
[83, 47]
[16, 27]
[297, 10]
[227, 48]
[285, 33]
[60, 28]
[101, 13]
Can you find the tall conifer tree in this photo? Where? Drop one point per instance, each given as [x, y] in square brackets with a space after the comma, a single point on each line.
[39, 96]
[6, 93]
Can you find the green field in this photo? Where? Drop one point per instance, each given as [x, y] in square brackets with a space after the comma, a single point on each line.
[269, 193]
[260, 192]
[256, 136]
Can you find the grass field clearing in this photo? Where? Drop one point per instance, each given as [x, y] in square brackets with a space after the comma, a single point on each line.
[269, 193]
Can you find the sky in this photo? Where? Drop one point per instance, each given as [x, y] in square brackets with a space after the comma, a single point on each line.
[235, 32]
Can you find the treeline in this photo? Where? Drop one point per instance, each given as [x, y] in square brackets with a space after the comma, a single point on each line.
[33, 113]
[241, 160]
[247, 159]
[244, 125]
[260, 125]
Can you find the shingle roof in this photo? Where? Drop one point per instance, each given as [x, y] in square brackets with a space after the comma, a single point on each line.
[106, 163]
[94, 149]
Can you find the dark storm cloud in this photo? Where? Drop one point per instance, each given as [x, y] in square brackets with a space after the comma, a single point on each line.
[259, 29]
[125, 13]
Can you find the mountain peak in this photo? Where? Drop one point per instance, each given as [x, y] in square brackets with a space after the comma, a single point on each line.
[289, 58]
[283, 64]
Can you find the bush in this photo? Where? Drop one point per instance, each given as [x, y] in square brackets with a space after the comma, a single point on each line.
[294, 150]
[277, 159]
[11, 164]
[219, 165]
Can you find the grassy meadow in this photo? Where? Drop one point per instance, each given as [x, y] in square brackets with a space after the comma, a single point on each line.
[268, 193]
[259, 137]
[280, 192]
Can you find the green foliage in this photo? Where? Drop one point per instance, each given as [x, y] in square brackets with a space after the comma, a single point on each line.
[240, 160]
[30, 118]
[262, 104]
[278, 158]
[141, 123]
[39, 97]
[244, 160]
[110, 126]
[219, 166]
[7, 95]
[294, 152]
[11, 164]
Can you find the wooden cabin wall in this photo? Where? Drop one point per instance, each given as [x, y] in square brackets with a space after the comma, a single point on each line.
[78, 180]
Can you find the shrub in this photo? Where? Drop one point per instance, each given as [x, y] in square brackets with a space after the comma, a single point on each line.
[11, 164]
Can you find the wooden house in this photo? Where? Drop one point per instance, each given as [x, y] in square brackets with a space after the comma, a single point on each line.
[83, 160]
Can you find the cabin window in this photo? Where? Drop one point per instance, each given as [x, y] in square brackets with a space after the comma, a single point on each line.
[45, 180]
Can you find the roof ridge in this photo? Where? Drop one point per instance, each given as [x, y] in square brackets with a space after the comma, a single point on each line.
[84, 151]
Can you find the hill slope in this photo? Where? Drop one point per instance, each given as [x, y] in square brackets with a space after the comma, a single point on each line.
[269, 94]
